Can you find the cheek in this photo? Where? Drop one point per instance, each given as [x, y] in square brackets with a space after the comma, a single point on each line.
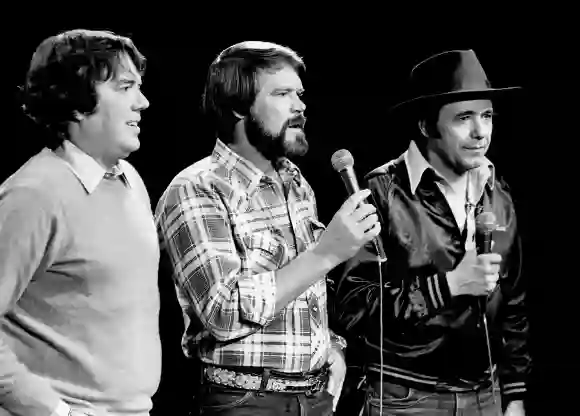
[272, 117]
[456, 137]
[487, 129]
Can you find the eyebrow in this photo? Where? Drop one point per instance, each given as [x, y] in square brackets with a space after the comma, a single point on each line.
[124, 79]
[471, 112]
[298, 90]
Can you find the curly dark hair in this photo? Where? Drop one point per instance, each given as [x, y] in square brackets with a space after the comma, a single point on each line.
[231, 84]
[63, 73]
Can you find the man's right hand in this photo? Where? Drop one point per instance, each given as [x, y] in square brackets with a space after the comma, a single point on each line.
[354, 224]
[475, 275]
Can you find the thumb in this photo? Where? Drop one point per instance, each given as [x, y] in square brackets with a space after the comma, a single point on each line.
[331, 385]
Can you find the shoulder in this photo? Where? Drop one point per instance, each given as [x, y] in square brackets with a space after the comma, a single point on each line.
[43, 178]
[395, 168]
[199, 174]
[503, 190]
[198, 180]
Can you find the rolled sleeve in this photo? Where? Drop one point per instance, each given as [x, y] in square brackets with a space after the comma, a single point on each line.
[258, 297]
[195, 229]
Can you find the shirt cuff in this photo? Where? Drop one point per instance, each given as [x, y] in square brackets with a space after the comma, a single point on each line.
[258, 297]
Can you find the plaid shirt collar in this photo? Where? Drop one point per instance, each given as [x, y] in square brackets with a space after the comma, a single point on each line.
[238, 169]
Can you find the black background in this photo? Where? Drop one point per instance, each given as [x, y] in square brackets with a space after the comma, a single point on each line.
[356, 69]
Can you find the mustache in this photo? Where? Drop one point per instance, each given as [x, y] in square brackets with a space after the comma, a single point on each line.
[298, 121]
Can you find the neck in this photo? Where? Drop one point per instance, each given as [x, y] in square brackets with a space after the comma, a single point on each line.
[106, 162]
[242, 147]
[456, 179]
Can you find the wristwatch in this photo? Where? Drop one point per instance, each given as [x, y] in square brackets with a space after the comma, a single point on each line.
[338, 341]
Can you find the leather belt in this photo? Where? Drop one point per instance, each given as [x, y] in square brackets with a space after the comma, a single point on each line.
[274, 381]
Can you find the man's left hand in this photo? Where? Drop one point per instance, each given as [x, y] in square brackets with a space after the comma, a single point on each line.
[515, 408]
[337, 374]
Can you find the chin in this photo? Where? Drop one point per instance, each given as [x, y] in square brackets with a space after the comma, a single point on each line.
[297, 146]
[130, 145]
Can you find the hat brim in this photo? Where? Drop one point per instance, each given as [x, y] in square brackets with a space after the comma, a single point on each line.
[453, 96]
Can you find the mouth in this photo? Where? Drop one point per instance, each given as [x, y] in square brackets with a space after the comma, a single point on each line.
[475, 148]
[297, 124]
[134, 124]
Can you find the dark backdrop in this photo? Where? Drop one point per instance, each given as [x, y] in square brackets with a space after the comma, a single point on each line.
[354, 73]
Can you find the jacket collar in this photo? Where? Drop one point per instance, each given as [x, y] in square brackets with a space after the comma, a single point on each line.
[417, 165]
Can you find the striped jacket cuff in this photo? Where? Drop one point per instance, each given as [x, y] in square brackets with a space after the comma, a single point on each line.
[436, 291]
[510, 389]
[513, 391]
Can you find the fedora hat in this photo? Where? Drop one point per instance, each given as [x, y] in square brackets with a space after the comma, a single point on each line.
[447, 77]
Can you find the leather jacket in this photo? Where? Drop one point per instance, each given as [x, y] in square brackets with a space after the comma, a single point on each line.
[427, 333]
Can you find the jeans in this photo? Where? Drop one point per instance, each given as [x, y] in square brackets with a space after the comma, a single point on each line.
[401, 400]
[223, 401]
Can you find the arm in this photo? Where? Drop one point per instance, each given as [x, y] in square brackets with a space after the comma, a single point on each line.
[29, 238]
[229, 300]
[515, 366]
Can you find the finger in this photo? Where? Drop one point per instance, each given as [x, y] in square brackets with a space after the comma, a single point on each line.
[490, 258]
[336, 397]
[369, 222]
[331, 386]
[492, 277]
[489, 268]
[354, 200]
[372, 231]
[363, 211]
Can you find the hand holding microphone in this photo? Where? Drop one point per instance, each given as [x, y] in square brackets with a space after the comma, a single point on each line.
[477, 274]
[354, 224]
[486, 224]
[343, 162]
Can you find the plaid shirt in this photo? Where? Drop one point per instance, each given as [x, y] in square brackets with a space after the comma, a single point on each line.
[227, 227]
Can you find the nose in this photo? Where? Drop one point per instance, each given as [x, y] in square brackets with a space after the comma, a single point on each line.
[142, 102]
[298, 105]
[478, 129]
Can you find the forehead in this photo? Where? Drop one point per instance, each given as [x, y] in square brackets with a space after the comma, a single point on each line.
[475, 106]
[283, 76]
[126, 70]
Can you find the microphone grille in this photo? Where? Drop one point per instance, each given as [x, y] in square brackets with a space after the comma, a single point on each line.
[341, 159]
[486, 221]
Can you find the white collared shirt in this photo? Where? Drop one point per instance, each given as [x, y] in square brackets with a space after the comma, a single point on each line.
[88, 171]
[458, 201]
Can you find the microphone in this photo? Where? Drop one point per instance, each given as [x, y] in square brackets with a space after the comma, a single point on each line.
[343, 162]
[485, 224]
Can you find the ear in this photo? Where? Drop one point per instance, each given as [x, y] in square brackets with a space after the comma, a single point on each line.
[423, 128]
[78, 116]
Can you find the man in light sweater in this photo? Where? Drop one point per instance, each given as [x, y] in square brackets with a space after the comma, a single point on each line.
[79, 255]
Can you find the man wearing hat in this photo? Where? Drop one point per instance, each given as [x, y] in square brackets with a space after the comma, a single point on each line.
[453, 327]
